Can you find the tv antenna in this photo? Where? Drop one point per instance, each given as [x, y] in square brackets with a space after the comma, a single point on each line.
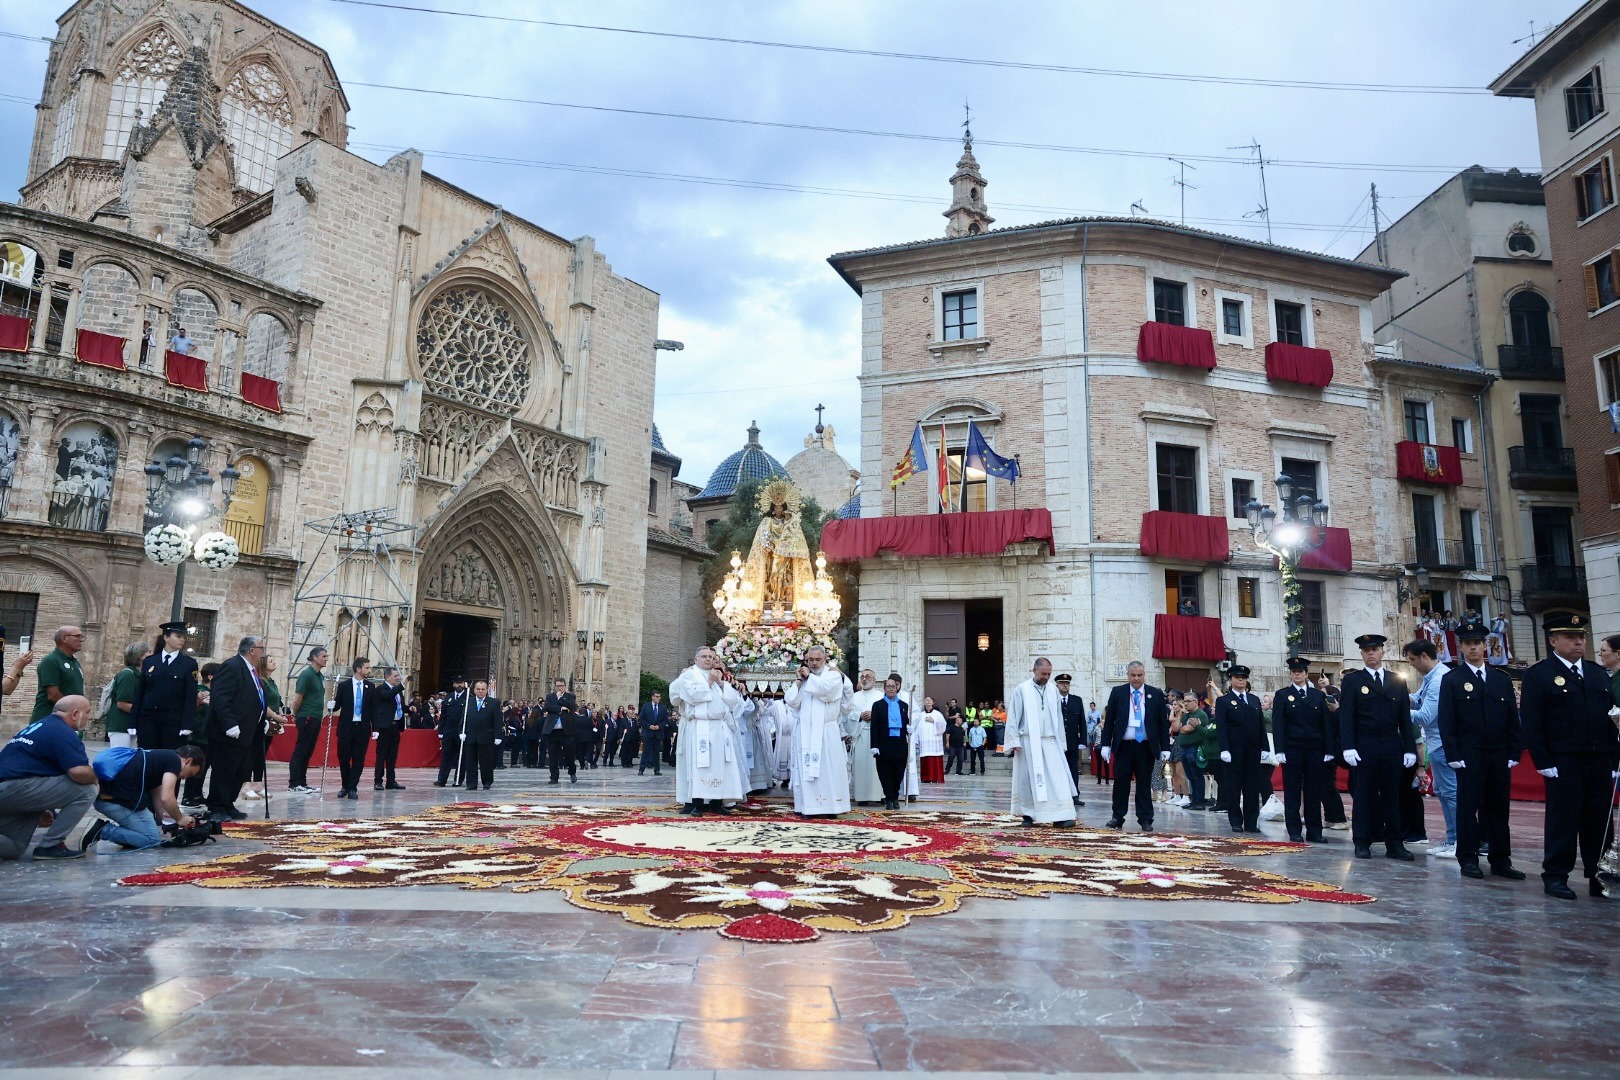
[1181, 182]
[1138, 208]
[1264, 210]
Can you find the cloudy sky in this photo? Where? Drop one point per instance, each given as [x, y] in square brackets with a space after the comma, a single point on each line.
[770, 330]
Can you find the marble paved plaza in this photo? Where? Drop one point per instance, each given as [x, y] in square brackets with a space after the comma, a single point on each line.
[182, 983]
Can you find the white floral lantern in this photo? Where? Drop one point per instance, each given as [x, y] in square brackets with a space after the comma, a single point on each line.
[167, 545]
[216, 550]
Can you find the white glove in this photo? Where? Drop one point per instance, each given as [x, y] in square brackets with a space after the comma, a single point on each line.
[1226, 756]
[186, 731]
[439, 736]
[497, 741]
[874, 751]
[374, 735]
[1458, 764]
[1551, 774]
[1327, 759]
[1107, 753]
[463, 736]
[1351, 758]
[234, 732]
[1408, 760]
[1164, 755]
[331, 706]
[1512, 764]
[1282, 759]
[1615, 775]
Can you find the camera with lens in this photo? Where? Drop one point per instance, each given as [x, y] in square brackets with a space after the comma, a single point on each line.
[202, 830]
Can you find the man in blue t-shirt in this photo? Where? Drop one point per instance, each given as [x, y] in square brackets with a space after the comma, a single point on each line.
[144, 790]
[44, 767]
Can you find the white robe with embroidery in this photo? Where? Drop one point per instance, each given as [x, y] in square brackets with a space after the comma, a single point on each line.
[785, 720]
[820, 768]
[707, 765]
[1042, 788]
[864, 785]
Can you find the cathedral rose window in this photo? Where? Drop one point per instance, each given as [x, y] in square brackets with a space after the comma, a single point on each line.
[471, 349]
[142, 80]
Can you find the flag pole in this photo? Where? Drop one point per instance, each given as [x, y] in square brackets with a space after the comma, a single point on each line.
[1015, 482]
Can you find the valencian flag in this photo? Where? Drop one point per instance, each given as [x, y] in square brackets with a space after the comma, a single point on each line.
[913, 461]
[980, 456]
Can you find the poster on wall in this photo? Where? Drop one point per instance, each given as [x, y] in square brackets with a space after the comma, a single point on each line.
[16, 264]
[942, 663]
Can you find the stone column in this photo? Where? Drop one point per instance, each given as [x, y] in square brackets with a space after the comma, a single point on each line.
[35, 475]
[129, 489]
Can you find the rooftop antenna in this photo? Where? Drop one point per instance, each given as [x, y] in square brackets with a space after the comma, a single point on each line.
[1264, 210]
[1138, 208]
[1181, 182]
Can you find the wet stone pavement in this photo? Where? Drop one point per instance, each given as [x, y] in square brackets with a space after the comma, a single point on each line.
[1441, 976]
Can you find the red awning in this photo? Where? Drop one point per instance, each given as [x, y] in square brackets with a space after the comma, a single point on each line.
[1164, 343]
[1188, 637]
[936, 535]
[1194, 537]
[190, 372]
[1298, 364]
[14, 333]
[1427, 463]
[103, 350]
[260, 391]
[1334, 554]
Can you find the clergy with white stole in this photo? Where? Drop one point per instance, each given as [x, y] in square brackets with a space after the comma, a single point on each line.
[864, 785]
[1042, 790]
[708, 760]
[820, 768]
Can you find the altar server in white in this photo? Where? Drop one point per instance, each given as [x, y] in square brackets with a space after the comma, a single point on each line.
[820, 770]
[707, 769]
[864, 785]
[1042, 790]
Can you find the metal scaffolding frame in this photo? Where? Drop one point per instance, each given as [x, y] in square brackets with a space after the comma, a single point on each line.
[365, 540]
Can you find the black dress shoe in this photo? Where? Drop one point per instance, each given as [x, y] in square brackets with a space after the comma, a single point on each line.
[657, 773]
[1509, 871]
[1472, 870]
[438, 783]
[1559, 889]
[1069, 824]
[554, 780]
[472, 787]
[396, 787]
[377, 786]
[1399, 854]
[641, 772]
[1251, 830]
[1363, 851]
[1079, 802]
[486, 787]
[1113, 823]
[1317, 839]
[1595, 887]
[1295, 838]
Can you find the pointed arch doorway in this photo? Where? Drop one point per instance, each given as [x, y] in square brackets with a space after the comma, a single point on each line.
[456, 644]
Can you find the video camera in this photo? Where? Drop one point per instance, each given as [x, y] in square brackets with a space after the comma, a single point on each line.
[202, 830]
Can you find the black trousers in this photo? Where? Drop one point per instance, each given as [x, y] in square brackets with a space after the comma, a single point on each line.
[649, 751]
[890, 772]
[226, 771]
[1244, 777]
[1332, 801]
[309, 732]
[1376, 785]
[1578, 810]
[159, 731]
[352, 738]
[387, 755]
[975, 759]
[1482, 806]
[480, 764]
[628, 747]
[531, 746]
[450, 757]
[1134, 761]
[1304, 776]
[559, 751]
[1073, 758]
[668, 747]
[1414, 825]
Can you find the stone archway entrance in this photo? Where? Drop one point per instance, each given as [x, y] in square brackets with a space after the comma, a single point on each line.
[456, 645]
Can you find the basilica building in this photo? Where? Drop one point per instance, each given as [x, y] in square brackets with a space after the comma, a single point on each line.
[439, 411]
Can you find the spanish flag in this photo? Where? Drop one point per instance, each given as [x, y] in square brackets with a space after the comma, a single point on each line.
[913, 461]
[942, 472]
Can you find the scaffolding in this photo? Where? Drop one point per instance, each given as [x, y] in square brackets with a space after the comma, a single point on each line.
[352, 575]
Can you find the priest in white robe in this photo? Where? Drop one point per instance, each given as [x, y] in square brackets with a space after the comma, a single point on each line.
[864, 785]
[786, 718]
[820, 768]
[707, 752]
[930, 728]
[1042, 790]
[763, 765]
[742, 720]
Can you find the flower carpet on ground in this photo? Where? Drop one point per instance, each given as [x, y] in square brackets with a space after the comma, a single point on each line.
[758, 874]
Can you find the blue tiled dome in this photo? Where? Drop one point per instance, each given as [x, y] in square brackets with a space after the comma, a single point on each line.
[749, 463]
[851, 509]
[658, 441]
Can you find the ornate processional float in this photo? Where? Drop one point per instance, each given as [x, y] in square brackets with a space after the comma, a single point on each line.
[777, 604]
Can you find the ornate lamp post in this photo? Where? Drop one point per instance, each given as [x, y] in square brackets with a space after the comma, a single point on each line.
[1300, 530]
[190, 489]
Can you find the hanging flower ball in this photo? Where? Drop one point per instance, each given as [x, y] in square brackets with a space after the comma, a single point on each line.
[216, 550]
[167, 545]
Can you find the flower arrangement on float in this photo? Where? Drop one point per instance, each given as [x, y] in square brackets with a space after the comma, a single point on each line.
[774, 647]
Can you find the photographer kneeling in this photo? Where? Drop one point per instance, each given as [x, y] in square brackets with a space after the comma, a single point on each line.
[139, 794]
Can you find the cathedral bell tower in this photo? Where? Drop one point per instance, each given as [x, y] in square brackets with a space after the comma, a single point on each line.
[967, 215]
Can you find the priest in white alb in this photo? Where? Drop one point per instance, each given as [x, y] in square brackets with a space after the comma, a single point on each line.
[707, 769]
[864, 785]
[1042, 790]
[820, 767]
[785, 719]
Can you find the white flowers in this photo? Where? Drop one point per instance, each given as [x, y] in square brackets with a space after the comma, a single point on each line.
[167, 545]
[216, 550]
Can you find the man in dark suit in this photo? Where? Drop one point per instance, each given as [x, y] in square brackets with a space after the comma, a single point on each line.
[166, 694]
[235, 711]
[1135, 734]
[386, 703]
[354, 708]
[1479, 731]
[1571, 739]
[1375, 733]
[484, 730]
[558, 712]
[1074, 729]
[891, 740]
[1305, 736]
[452, 723]
[654, 717]
[1240, 727]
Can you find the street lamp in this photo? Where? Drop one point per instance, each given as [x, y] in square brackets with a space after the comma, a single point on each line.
[190, 490]
[1301, 529]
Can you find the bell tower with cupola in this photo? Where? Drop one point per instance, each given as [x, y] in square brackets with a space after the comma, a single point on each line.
[968, 216]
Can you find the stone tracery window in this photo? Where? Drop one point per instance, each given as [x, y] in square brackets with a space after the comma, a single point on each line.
[258, 124]
[471, 349]
[142, 80]
[67, 114]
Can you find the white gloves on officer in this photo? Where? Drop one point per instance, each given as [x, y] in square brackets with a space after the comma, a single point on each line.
[1164, 755]
[1282, 759]
[1351, 758]
[1226, 756]
[374, 735]
[1408, 760]
[1107, 753]
[1327, 759]
[1512, 764]
[497, 742]
[185, 732]
[234, 732]
[1458, 764]
[1551, 774]
[463, 736]
[874, 751]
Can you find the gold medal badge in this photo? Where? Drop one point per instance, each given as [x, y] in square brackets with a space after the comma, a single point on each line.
[1558, 680]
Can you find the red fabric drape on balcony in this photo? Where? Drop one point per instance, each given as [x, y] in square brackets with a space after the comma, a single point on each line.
[1188, 637]
[190, 372]
[936, 535]
[1427, 463]
[1194, 537]
[103, 350]
[260, 391]
[1298, 364]
[1164, 343]
[1334, 554]
[14, 333]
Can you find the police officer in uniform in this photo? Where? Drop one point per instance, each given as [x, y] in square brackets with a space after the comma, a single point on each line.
[452, 722]
[1074, 728]
[166, 696]
[1241, 728]
[1375, 732]
[1571, 739]
[1306, 738]
[1479, 730]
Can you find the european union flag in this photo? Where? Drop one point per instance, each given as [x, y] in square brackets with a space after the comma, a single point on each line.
[980, 456]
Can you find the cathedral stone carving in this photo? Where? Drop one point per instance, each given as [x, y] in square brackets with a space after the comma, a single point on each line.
[464, 577]
[471, 349]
